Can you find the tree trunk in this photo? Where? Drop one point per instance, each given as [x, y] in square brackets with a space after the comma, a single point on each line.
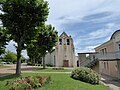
[44, 62]
[33, 61]
[18, 65]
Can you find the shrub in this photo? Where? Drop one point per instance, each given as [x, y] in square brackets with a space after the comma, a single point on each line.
[28, 83]
[86, 75]
[58, 68]
[49, 65]
[29, 63]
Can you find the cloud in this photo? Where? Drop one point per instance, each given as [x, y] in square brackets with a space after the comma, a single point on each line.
[11, 47]
[95, 38]
[97, 16]
[24, 53]
[104, 32]
[66, 11]
[91, 29]
[70, 11]
[66, 7]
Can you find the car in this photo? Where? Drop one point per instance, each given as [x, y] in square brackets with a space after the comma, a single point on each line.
[24, 64]
[8, 63]
[3, 62]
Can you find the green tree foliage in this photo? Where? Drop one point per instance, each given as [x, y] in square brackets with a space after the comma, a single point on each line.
[32, 53]
[44, 41]
[21, 17]
[23, 59]
[1, 1]
[10, 57]
[3, 40]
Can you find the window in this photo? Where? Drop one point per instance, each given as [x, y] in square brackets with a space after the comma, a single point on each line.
[68, 42]
[105, 50]
[105, 65]
[60, 41]
[119, 47]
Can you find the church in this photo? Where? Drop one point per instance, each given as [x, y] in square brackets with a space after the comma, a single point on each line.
[63, 54]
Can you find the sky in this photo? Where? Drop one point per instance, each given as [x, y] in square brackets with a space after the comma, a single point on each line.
[89, 22]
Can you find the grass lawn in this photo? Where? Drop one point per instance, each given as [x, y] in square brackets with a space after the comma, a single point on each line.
[58, 82]
[52, 70]
[2, 66]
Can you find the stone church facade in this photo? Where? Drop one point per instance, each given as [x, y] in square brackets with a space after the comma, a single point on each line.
[64, 53]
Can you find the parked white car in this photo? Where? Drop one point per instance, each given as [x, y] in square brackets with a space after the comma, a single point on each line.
[3, 62]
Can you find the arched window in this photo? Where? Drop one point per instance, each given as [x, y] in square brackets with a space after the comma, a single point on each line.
[68, 41]
[60, 41]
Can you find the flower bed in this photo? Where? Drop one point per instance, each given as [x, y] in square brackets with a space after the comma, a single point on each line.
[28, 83]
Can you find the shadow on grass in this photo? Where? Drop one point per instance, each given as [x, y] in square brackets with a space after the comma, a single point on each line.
[42, 68]
[26, 69]
[9, 77]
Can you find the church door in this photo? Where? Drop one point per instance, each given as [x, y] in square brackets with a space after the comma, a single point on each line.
[66, 63]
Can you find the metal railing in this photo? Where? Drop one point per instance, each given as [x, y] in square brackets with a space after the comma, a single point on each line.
[88, 61]
[108, 56]
[100, 56]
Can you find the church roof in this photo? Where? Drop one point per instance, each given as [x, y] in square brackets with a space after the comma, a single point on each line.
[63, 34]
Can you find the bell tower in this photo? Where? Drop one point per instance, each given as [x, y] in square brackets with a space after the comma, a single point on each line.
[65, 54]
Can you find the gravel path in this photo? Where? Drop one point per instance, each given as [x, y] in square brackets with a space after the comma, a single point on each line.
[12, 70]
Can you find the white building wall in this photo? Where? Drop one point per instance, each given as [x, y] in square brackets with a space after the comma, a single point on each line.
[47, 59]
[50, 58]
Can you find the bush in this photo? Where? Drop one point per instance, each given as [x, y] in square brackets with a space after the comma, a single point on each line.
[29, 63]
[28, 83]
[49, 65]
[58, 68]
[86, 75]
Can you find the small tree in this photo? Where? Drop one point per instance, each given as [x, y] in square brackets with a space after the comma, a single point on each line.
[32, 52]
[45, 40]
[10, 57]
[21, 17]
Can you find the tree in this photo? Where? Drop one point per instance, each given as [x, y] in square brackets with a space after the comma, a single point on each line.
[44, 41]
[32, 52]
[10, 57]
[21, 17]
